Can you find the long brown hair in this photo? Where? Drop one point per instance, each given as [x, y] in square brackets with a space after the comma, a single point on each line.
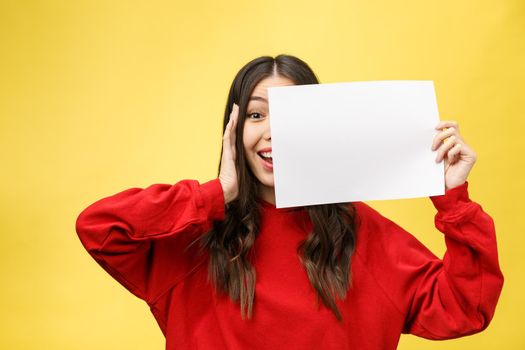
[326, 253]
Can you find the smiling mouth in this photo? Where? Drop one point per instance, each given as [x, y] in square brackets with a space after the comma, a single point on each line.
[266, 156]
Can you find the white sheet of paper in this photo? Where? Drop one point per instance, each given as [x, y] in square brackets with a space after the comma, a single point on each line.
[356, 141]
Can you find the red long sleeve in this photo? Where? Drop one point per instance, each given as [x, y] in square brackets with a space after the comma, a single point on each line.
[466, 289]
[132, 234]
[445, 298]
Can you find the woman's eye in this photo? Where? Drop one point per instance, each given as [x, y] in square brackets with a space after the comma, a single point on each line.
[255, 115]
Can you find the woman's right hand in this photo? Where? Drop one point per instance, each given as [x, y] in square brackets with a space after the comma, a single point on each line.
[228, 172]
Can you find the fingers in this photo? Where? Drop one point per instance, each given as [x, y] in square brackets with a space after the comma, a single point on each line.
[234, 117]
[227, 172]
[229, 136]
[447, 124]
[452, 144]
[448, 141]
[454, 153]
[444, 137]
[227, 131]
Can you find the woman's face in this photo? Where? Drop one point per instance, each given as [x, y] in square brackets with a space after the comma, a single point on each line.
[257, 136]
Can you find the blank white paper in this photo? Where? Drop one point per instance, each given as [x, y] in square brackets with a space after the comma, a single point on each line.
[356, 141]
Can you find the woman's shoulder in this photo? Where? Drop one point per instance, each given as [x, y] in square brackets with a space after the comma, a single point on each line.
[378, 233]
[367, 216]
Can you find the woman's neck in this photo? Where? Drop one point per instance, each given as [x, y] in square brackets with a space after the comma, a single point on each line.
[267, 194]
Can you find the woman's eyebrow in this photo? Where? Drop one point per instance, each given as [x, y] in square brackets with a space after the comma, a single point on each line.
[258, 98]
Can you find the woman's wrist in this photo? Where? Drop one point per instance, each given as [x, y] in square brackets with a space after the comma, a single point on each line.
[229, 191]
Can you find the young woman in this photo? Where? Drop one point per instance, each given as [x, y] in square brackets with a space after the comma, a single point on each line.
[222, 268]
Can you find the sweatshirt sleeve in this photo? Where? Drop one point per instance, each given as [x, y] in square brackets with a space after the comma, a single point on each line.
[142, 237]
[458, 295]
[439, 298]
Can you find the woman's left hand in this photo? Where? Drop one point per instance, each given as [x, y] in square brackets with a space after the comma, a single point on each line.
[459, 157]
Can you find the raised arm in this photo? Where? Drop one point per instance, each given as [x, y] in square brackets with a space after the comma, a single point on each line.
[437, 298]
[141, 236]
[457, 296]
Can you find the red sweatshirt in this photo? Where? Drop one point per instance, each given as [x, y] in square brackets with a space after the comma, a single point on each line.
[141, 237]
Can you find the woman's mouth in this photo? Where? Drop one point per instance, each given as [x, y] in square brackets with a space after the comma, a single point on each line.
[267, 160]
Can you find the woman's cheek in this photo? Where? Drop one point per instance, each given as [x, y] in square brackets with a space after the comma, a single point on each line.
[248, 137]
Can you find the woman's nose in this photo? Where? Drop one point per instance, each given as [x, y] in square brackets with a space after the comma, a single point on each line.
[267, 134]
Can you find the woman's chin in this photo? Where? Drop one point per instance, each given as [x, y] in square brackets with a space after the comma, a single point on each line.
[266, 185]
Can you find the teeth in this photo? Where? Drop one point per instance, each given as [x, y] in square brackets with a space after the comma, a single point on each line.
[266, 154]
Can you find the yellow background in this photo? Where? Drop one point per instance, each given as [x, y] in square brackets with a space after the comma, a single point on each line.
[99, 96]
